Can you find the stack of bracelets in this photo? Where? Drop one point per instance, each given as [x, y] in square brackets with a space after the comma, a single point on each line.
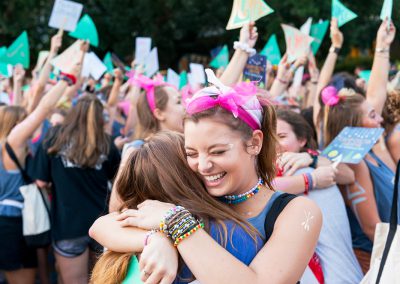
[69, 78]
[309, 182]
[179, 223]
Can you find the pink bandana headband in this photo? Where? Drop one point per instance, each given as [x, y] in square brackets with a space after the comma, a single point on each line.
[241, 100]
[149, 85]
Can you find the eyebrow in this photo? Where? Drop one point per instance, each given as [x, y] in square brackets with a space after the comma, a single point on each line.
[212, 146]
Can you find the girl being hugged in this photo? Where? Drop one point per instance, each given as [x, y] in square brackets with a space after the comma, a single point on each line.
[230, 144]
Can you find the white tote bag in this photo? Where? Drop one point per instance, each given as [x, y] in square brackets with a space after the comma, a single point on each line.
[35, 217]
[385, 258]
[36, 212]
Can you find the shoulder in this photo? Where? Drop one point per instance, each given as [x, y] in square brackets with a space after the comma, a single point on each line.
[301, 214]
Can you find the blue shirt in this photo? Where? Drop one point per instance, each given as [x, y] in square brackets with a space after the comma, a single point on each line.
[11, 200]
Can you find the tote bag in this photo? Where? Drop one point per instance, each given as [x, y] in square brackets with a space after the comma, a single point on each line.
[385, 258]
[35, 213]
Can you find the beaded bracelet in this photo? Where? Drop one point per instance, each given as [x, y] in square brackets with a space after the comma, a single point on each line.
[306, 183]
[187, 234]
[148, 234]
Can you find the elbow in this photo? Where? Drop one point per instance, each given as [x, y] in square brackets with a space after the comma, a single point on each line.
[94, 229]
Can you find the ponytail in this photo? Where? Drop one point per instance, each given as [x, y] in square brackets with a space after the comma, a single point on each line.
[267, 157]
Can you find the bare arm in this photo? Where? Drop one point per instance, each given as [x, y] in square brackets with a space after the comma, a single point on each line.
[56, 41]
[19, 74]
[271, 265]
[360, 197]
[110, 234]
[113, 98]
[22, 131]
[377, 86]
[328, 67]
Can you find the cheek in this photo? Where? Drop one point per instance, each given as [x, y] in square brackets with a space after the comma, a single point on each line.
[369, 122]
[192, 163]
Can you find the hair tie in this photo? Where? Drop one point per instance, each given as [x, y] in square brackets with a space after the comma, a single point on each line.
[330, 96]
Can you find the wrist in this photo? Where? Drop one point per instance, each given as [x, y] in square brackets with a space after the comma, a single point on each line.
[335, 49]
[244, 46]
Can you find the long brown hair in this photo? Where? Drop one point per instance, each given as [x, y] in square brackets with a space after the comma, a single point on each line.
[147, 123]
[81, 136]
[346, 112]
[266, 159]
[159, 170]
[10, 116]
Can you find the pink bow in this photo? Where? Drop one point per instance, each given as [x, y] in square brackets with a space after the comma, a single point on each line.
[330, 96]
[148, 85]
[232, 100]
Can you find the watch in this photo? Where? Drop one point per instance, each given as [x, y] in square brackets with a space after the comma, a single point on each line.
[382, 50]
[334, 49]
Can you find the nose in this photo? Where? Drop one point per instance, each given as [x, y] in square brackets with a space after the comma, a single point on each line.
[379, 118]
[204, 165]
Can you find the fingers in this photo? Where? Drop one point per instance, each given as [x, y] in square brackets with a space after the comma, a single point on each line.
[127, 214]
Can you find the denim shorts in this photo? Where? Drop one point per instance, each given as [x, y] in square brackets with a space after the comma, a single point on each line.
[75, 247]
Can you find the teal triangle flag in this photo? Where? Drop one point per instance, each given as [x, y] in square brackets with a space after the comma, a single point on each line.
[86, 30]
[318, 32]
[17, 52]
[222, 58]
[108, 62]
[183, 79]
[271, 50]
[342, 13]
[4, 71]
[365, 75]
[133, 273]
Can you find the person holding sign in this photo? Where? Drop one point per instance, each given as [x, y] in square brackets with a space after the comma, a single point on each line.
[16, 129]
[368, 199]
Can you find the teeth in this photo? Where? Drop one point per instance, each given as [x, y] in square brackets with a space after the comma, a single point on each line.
[214, 177]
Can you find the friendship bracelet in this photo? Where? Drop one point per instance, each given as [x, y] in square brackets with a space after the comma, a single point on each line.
[184, 236]
[245, 47]
[69, 78]
[306, 184]
[282, 81]
[310, 182]
[148, 234]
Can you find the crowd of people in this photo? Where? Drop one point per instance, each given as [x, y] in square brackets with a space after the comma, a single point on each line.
[222, 183]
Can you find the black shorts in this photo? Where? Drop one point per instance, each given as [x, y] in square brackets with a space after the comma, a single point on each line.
[75, 247]
[14, 253]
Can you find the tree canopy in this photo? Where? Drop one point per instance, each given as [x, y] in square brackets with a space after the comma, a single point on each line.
[180, 27]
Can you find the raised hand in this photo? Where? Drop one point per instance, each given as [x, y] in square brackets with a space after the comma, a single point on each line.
[336, 34]
[248, 34]
[385, 37]
[56, 42]
[19, 73]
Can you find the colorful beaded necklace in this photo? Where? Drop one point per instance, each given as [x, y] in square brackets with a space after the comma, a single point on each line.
[235, 199]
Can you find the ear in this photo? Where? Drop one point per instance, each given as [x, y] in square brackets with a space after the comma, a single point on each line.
[302, 141]
[255, 143]
[159, 114]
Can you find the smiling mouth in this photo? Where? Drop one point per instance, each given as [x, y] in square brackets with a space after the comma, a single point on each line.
[214, 178]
